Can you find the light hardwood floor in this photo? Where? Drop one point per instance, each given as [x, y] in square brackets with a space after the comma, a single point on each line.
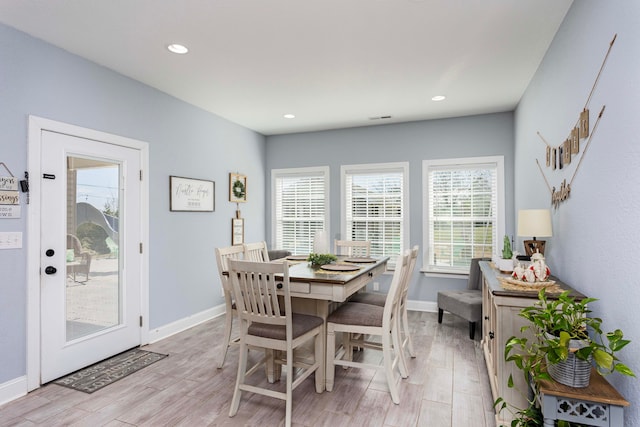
[447, 386]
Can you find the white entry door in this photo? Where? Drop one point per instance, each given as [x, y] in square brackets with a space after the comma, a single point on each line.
[90, 257]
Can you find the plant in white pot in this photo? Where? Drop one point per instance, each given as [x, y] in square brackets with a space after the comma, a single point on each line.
[565, 344]
[505, 263]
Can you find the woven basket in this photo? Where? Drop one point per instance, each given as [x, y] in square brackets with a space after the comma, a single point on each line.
[572, 372]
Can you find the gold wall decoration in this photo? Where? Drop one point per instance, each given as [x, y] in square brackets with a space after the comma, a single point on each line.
[560, 156]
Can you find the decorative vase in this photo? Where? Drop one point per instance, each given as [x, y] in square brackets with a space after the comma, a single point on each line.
[505, 265]
[572, 372]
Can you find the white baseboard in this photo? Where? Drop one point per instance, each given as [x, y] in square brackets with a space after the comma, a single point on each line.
[429, 306]
[13, 389]
[184, 324]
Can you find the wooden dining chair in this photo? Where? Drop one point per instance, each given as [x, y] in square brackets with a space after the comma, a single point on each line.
[352, 247]
[256, 252]
[363, 320]
[267, 322]
[379, 299]
[223, 255]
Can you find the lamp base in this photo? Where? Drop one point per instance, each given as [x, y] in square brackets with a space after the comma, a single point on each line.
[533, 246]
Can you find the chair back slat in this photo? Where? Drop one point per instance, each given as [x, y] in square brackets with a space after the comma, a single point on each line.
[395, 290]
[407, 279]
[223, 255]
[256, 290]
[256, 252]
[352, 247]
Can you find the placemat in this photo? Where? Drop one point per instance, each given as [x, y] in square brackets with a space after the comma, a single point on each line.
[340, 267]
[360, 260]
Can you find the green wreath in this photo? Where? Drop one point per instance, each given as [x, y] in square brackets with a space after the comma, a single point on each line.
[238, 189]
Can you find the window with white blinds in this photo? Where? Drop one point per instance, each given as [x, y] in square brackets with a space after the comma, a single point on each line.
[375, 206]
[300, 207]
[464, 211]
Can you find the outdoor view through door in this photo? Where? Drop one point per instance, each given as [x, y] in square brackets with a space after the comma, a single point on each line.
[92, 247]
[90, 239]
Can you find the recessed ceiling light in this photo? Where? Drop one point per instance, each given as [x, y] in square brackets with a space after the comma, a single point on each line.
[177, 48]
[438, 98]
[289, 116]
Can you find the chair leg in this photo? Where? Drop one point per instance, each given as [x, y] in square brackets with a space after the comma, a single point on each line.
[388, 360]
[398, 349]
[331, 354]
[407, 334]
[227, 338]
[319, 351]
[472, 329]
[440, 313]
[289, 401]
[242, 369]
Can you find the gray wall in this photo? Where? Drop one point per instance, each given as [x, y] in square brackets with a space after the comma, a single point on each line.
[483, 135]
[39, 79]
[596, 231]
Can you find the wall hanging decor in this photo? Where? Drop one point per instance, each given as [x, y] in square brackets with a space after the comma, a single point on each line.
[237, 188]
[560, 157]
[191, 195]
[237, 231]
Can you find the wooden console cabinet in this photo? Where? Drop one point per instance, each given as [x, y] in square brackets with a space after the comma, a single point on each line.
[500, 309]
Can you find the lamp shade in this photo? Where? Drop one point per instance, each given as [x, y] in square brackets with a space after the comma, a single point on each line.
[534, 223]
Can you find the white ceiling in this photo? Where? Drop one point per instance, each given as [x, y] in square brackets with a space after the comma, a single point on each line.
[332, 63]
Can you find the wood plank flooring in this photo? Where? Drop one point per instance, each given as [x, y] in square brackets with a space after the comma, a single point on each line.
[447, 387]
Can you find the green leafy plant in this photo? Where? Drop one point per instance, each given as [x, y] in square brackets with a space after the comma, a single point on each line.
[321, 259]
[554, 325]
[506, 248]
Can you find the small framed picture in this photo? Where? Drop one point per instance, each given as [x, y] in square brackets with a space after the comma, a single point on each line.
[191, 195]
[237, 188]
[548, 156]
[561, 156]
[575, 140]
[584, 123]
[566, 160]
[237, 231]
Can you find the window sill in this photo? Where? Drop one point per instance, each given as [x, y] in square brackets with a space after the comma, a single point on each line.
[444, 275]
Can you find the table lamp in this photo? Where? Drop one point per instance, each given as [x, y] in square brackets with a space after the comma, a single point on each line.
[534, 223]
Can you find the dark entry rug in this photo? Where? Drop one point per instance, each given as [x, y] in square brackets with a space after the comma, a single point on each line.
[108, 371]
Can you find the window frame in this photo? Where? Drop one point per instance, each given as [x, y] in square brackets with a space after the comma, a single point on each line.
[292, 173]
[403, 168]
[454, 163]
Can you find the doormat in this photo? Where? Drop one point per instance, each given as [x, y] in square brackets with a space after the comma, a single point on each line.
[108, 371]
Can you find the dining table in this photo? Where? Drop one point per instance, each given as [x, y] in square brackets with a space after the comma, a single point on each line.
[319, 290]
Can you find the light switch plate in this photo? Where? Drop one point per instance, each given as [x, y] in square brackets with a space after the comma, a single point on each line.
[11, 240]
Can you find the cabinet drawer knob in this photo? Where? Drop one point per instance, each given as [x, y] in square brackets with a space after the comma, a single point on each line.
[486, 317]
[491, 335]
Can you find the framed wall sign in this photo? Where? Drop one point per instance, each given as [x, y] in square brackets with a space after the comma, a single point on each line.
[191, 195]
[237, 231]
[237, 188]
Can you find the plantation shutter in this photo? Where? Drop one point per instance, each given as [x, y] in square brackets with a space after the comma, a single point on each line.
[462, 215]
[375, 209]
[300, 210]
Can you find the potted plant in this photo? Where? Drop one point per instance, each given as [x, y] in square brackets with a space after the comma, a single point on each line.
[562, 336]
[505, 263]
[321, 259]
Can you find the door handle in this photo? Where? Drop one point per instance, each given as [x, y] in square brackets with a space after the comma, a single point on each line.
[50, 270]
